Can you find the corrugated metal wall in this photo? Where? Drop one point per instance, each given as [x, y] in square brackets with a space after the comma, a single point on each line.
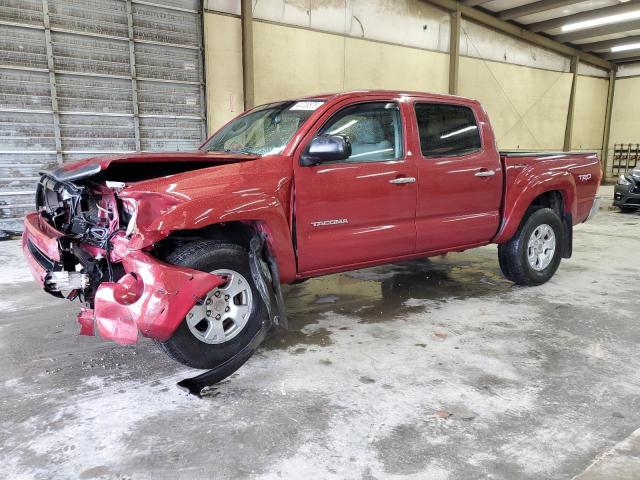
[89, 77]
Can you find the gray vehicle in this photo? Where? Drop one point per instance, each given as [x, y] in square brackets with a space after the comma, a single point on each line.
[627, 191]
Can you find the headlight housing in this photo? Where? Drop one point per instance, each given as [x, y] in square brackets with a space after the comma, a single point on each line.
[622, 180]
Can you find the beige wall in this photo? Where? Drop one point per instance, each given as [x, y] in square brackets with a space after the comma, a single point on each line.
[223, 69]
[379, 65]
[527, 106]
[292, 62]
[625, 118]
[590, 109]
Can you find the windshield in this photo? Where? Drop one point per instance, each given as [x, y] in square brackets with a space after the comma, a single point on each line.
[264, 130]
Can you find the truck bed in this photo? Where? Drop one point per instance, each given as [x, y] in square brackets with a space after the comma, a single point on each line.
[579, 172]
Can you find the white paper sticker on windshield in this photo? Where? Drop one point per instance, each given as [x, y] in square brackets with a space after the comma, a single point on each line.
[306, 106]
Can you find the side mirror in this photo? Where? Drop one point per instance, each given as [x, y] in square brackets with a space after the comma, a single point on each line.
[326, 148]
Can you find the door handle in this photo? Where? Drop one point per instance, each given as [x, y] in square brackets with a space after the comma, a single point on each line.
[403, 180]
[485, 173]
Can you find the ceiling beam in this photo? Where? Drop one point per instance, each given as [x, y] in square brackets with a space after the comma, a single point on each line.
[610, 29]
[629, 59]
[607, 44]
[520, 32]
[615, 56]
[584, 16]
[535, 7]
[475, 3]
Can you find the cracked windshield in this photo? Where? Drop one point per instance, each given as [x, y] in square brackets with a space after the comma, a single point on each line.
[265, 130]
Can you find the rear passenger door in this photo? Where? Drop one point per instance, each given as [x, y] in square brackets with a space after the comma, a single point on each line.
[459, 177]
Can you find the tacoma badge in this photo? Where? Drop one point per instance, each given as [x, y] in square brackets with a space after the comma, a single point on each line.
[324, 223]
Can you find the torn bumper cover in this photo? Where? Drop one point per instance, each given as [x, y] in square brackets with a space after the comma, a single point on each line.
[151, 298]
[40, 247]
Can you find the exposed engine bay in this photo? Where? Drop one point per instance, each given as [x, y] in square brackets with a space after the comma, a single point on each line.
[88, 215]
[77, 210]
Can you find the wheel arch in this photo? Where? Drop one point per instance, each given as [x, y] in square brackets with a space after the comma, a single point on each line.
[553, 199]
[557, 192]
[241, 232]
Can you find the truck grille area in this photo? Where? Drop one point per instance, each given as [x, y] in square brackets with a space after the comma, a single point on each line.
[73, 209]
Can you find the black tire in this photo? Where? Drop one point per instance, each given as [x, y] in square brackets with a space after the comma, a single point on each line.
[206, 256]
[512, 255]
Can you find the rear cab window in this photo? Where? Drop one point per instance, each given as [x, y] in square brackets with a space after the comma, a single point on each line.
[447, 130]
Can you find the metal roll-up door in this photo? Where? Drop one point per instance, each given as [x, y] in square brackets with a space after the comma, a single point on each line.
[89, 77]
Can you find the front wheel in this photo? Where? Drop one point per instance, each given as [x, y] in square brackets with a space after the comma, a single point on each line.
[226, 319]
[533, 254]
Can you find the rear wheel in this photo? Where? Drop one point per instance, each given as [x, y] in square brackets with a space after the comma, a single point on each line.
[533, 254]
[227, 317]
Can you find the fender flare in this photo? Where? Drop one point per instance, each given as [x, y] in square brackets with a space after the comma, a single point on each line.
[525, 191]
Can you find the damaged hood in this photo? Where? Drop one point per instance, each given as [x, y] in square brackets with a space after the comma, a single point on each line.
[122, 167]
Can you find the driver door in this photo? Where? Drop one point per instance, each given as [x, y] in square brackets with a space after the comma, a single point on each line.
[360, 210]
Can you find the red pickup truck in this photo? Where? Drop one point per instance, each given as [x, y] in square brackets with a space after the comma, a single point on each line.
[190, 249]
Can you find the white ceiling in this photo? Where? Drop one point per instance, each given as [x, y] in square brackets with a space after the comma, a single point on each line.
[499, 6]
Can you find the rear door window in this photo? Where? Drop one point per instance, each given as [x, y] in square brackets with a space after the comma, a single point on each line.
[446, 130]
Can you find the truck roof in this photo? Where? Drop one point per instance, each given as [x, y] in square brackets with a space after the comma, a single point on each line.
[395, 93]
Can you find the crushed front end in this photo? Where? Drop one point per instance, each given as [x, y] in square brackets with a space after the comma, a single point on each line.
[82, 244]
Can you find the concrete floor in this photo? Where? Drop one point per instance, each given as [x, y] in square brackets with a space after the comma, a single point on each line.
[433, 369]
